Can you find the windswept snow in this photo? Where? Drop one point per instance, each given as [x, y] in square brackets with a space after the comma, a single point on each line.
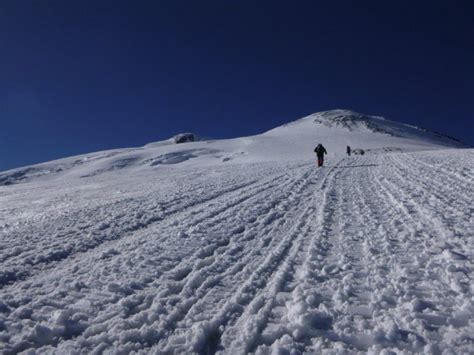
[242, 246]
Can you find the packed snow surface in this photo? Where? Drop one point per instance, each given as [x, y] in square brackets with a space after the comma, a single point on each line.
[244, 245]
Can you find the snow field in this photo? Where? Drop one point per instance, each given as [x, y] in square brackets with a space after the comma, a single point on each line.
[368, 254]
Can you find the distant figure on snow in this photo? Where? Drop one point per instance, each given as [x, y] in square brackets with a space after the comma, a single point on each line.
[348, 150]
[320, 151]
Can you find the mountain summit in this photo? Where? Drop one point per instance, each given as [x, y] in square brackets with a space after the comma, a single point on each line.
[357, 122]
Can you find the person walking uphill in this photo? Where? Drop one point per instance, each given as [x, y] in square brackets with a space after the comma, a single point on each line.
[320, 151]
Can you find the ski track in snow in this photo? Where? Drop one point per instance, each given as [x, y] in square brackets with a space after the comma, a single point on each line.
[366, 254]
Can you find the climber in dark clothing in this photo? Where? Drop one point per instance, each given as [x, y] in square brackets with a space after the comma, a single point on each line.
[348, 150]
[320, 151]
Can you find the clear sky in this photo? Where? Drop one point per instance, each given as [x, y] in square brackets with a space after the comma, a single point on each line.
[82, 76]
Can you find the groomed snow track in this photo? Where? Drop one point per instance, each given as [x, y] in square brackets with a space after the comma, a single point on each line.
[365, 254]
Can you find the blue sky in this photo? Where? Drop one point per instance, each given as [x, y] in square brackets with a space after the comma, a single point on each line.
[82, 76]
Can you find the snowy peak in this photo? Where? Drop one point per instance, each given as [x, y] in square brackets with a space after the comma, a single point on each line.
[348, 119]
[354, 122]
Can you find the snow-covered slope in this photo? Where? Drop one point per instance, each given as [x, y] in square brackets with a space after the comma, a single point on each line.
[295, 141]
[243, 245]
